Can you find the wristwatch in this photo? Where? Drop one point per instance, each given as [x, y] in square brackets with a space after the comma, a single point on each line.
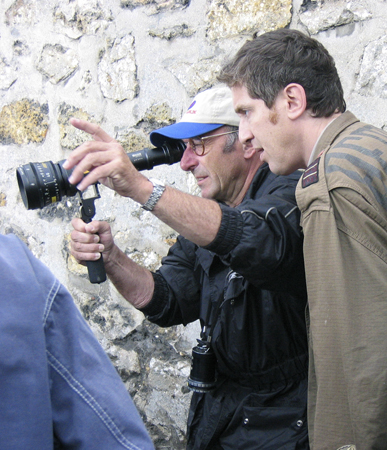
[158, 189]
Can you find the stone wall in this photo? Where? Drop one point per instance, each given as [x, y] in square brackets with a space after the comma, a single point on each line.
[132, 66]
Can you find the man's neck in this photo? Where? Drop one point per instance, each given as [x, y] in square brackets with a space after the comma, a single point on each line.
[318, 128]
[249, 178]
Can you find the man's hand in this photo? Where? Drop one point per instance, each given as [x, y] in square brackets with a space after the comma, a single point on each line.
[89, 240]
[103, 159]
[135, 283]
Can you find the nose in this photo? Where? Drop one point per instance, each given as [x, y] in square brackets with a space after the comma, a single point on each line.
[245, 134]
[189, 160]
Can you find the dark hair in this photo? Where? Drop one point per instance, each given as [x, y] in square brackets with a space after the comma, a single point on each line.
[268, 63]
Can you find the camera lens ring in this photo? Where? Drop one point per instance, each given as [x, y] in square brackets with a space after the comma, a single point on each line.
[43, 183]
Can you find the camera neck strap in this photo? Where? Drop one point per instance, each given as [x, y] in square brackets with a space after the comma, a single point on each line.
[212, 314]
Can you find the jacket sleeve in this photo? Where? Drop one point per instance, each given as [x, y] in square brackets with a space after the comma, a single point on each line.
[176, 297]
[261, 239]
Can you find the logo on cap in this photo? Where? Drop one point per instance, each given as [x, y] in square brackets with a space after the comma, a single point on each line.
[190, 107]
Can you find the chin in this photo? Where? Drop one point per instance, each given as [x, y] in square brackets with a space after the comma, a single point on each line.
[280, 169]
[275, 169]
[209, 195]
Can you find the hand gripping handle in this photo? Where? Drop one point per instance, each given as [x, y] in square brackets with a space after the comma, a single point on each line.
[96, 269]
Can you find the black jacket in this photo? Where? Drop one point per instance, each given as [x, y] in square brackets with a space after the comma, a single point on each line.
[253, 276]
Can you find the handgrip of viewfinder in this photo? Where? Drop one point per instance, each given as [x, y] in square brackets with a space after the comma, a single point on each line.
[96, 269]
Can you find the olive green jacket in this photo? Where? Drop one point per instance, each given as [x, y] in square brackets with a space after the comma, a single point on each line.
[343, 201]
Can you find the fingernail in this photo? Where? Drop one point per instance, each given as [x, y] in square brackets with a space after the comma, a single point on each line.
[65, 164]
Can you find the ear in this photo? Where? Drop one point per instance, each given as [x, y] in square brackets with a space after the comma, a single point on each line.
[295, 98]
[249, 152]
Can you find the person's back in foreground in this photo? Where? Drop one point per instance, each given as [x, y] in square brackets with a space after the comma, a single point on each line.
[57, 386]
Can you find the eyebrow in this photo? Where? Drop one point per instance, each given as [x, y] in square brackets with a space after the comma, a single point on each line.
[239, 108]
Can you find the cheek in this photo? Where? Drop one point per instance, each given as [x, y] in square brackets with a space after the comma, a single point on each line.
[255, 126]
[217, 181]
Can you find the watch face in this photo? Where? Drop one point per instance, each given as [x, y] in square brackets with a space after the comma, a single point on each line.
[156, 182]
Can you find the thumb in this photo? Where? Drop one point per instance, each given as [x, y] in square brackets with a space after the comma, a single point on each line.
[97, 226]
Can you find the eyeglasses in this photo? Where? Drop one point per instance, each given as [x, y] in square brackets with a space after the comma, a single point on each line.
[198, 144]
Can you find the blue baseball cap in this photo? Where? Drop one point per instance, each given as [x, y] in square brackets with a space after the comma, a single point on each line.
[209, 110]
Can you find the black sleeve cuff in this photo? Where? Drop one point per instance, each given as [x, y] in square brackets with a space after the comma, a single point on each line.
[159, 299]
[230, 231]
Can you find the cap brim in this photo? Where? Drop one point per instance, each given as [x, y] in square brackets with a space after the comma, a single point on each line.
[181, 130]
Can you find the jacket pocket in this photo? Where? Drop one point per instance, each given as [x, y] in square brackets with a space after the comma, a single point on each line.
[267, 427]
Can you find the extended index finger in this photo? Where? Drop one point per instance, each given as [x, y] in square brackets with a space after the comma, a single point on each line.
[93, 129]
[99, 136]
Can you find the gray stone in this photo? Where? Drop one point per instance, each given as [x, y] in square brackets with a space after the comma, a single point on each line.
[197, 77]
[7, 75]
[22, 12]
[171, 379]
[155, 6]
[57, 63]
[372, 79]
[332, 15]
[230, 18]
[117, 72]
[126, 361]
[182, 30]
[80, 17]
[132, 140]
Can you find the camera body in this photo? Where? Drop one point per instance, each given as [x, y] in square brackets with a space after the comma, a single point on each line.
[42, 184]
[203, 368]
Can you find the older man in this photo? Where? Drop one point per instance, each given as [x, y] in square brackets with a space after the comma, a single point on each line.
[237, 266]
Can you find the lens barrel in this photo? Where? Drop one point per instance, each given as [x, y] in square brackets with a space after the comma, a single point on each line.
[169, 153]
[203, 368]
[41, 184]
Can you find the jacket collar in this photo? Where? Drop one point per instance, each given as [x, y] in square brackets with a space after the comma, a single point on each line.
[330, 133]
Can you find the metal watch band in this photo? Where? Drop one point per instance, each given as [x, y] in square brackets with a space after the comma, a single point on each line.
[158, 189]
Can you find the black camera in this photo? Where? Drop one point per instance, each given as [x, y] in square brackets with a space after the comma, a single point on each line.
[203, 368]
[41, 184]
